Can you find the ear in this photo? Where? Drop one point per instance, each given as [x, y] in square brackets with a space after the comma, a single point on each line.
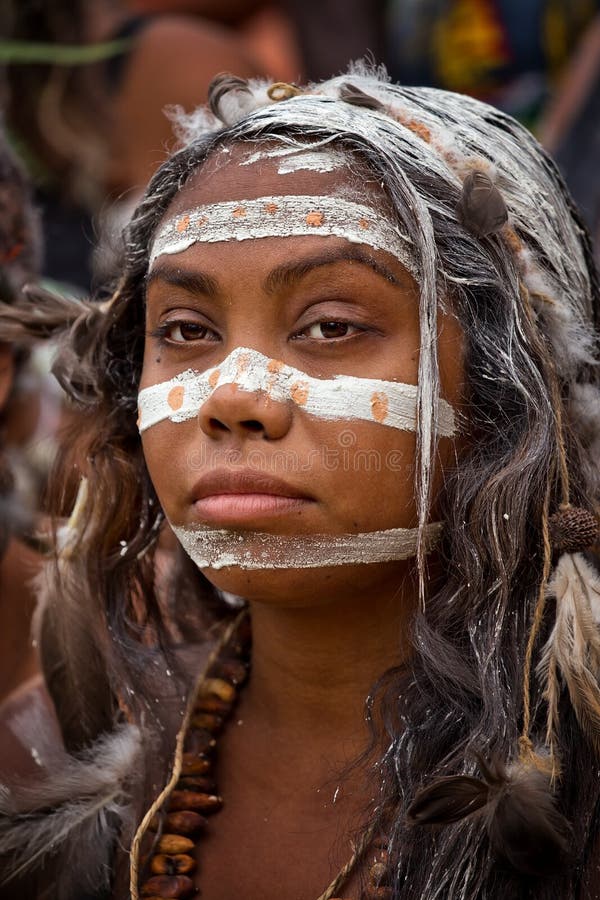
[7, 372]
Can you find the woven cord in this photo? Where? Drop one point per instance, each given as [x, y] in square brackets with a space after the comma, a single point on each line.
[526, 750]
[345, 872]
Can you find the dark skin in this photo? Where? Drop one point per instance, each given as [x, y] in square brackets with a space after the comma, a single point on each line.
[322, 636]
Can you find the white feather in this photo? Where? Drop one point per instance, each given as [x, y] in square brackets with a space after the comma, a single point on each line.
[79, 810]
[573, 648]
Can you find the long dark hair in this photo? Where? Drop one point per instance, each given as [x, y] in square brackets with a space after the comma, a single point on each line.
[528, 303]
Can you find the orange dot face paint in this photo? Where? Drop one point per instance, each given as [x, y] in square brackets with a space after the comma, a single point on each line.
[379, 406]
[315, 219]
[175, 397]
[299, 393]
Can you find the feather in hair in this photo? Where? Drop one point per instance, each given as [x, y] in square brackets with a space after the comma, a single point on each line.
[76, 680]
[481, 207]
[78, 812]
[573, 648]
[514, 802]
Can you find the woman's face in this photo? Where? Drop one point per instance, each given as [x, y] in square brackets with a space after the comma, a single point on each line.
[323, 305]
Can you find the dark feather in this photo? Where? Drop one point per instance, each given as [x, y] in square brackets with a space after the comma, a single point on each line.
[349, 93]
[481, 207]
[525, 829]
[448, 799]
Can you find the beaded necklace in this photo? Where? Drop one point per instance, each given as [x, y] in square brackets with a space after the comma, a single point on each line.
[179, 814]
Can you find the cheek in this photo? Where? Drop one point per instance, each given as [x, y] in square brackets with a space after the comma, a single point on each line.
[365, 472]
[166, 465]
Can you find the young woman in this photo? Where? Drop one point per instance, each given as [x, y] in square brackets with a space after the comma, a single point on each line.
[352, 361]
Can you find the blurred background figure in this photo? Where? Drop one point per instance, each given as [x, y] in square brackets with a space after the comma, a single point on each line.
[85, 85]
[308, 40]
[19, 261]
[510, 53]
[570, 129]
[538, 60]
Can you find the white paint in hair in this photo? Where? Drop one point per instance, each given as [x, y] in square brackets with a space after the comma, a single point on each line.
[342, 397]
[220, 548]
[294, 159]
[283, 216]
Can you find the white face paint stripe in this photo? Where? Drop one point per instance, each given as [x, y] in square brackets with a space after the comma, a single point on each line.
[283, 216]
[219, 548]
[343, 397]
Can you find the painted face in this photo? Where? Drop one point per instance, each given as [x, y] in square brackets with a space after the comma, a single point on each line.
[278, 400]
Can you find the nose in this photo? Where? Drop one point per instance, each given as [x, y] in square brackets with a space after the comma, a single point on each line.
[246, 414]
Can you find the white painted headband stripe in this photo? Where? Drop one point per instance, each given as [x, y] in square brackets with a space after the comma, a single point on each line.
[285, 216]
[218, 548]
[345, 397]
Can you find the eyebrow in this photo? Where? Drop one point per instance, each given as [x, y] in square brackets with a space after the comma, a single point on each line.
[280, 278]
[194, 282]
[289, 274]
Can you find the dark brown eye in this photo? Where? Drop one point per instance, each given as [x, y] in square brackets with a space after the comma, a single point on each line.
[180, 332]
[330, 330]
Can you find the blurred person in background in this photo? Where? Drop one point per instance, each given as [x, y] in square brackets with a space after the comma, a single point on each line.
[85, 86]
[510, 53]
[571, 127]
[19, 260]
[312, 40]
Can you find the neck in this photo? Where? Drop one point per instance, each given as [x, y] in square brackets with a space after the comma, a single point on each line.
[314, 667]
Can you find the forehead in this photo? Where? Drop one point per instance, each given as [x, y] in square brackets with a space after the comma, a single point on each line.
[249, 171]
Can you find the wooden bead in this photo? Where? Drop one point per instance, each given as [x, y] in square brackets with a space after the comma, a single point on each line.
[212, 704]
[210, 721]
[194, 764]
[191, 800]
[220, 688]
[199, 740]
[232, 670]
[378, 874]
[180, 864]
[185, 822]
[201, 784]
[167, 886]
[174, 843]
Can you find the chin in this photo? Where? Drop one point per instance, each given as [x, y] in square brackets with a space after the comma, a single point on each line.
[296, 588]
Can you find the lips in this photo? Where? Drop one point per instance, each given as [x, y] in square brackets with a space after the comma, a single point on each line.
[249, 499]
[226, 481]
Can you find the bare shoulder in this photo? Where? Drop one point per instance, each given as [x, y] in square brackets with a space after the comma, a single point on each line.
[29, 732]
